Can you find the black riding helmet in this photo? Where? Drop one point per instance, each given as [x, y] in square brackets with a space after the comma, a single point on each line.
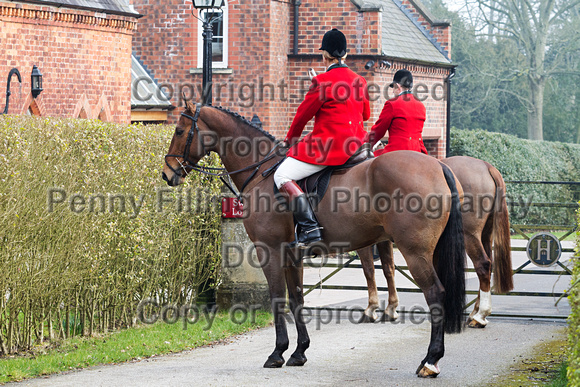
[404, 78]
[334, 42]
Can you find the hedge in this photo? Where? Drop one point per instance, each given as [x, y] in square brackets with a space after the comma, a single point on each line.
[77, 254]
[520, 159]
[574, 318]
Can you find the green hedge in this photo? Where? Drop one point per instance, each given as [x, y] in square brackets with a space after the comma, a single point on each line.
[80, 268]
[519, 159]
[574, 318]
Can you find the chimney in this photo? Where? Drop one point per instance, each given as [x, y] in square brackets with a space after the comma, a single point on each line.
[439, 29]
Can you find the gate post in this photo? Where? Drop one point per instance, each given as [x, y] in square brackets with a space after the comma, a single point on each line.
[242, 279]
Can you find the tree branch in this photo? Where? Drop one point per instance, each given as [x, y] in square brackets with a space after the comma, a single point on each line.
[531, 11]
[565, 72]
[560, 12]
[524, 101]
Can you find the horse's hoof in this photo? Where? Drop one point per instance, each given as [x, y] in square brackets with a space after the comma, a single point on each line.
[476, 324]
[389, 318]
[368, 319]
[429, 371]
[296, 361]
[274, 362]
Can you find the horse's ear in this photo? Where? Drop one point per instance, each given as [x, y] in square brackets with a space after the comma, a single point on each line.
[188, 104]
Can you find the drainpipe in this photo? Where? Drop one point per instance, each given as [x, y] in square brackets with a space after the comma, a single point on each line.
[297, 4]
[448, 129]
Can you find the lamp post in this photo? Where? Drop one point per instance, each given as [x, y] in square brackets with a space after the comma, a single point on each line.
[448, 124]
[207, 42]
[8, 92]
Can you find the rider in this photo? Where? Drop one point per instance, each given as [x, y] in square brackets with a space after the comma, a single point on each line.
[402, 116]
[338, 101]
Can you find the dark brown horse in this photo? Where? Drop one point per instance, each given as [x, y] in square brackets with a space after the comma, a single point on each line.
[406, 197]
[485, 221]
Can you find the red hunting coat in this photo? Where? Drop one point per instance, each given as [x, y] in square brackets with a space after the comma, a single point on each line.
[338, 101]
[403, 117]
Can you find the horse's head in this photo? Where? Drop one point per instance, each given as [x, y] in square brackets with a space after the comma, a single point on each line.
[187, 146]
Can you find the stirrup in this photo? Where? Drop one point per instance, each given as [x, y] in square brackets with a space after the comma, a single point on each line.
[310, 239]
[301, 245]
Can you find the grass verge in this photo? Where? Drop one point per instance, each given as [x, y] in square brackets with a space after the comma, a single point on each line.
[546, 366]
[560, 379]
[130, 344]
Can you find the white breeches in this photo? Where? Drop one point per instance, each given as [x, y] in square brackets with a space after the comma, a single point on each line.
[292, 169]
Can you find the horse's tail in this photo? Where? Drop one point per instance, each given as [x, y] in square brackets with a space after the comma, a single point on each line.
[502, 254]
[450, 260]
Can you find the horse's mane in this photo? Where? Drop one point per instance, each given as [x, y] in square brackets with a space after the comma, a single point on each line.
[239, 118]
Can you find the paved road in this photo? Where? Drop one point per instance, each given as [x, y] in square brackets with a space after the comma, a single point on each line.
[348, 354]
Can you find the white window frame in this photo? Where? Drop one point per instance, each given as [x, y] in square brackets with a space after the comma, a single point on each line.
[215, 65]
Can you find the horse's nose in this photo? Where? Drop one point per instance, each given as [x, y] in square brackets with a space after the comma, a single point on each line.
[164, 177]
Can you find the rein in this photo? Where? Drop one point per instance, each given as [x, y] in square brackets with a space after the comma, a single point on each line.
[211, 171]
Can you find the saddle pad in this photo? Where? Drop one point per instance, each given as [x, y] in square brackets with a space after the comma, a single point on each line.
[316, 185]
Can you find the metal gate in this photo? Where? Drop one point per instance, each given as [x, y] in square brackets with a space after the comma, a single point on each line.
[525, 230]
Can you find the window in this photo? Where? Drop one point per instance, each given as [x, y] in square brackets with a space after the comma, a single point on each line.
[219, 45]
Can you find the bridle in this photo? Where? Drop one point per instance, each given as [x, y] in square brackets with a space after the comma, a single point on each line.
[185, 156]
[187, 164]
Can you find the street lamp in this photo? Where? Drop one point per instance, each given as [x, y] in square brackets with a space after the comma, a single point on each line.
[207, 41]
[8, 92]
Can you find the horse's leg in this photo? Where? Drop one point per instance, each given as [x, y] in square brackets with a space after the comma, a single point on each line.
[424, 274]
[388, 262]
[366, 259]
[480, 252]
[273, 270]
[294, 282]
[475, 309]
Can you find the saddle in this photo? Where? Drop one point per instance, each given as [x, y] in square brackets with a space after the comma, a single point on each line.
[315, 186]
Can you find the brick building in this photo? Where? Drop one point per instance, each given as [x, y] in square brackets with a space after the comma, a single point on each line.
[83, 49]
[263, 50]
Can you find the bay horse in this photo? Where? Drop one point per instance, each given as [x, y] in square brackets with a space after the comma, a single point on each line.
[431, 241]
[485, 222]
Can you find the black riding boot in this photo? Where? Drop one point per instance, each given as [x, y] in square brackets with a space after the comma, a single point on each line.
[304, 215]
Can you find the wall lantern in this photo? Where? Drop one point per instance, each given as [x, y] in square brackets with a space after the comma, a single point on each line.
[208, 4]
[36, 81]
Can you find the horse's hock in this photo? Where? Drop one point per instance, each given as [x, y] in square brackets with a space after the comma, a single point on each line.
[243, 281]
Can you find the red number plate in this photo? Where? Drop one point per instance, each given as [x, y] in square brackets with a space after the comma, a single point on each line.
[232, 208]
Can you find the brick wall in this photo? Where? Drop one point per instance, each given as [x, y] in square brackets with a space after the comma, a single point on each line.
[436, 148]
[442, 33]
[276, 117]
[85, 61]
[165, 41]
[317, 17]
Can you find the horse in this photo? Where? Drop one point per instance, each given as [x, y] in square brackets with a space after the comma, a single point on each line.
[431, 242]
[485, 221]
